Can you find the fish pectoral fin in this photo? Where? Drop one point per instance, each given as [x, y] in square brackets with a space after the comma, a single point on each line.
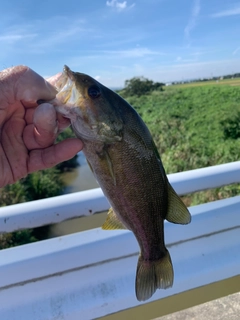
[152, 275]
[112, 222]
[177, 211]
[90, 166]
[104, 155]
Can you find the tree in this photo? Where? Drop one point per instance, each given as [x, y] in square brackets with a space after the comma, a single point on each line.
[139, 86]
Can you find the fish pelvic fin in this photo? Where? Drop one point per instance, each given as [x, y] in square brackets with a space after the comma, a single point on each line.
[177, 211]
[112, 222]
[153, 275]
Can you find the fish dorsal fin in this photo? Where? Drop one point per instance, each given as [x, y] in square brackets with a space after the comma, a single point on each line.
[177, 211]
[112, 222]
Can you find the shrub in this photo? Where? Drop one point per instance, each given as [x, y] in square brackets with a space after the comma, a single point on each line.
[139, 86]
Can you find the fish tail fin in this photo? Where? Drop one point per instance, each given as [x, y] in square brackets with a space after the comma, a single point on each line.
[153, 275]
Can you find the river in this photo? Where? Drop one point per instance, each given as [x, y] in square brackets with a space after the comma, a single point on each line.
[79, 179]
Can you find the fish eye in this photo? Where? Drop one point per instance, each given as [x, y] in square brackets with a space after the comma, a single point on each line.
[94, 92]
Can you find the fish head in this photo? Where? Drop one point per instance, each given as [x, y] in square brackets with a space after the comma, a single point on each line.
[90, 107]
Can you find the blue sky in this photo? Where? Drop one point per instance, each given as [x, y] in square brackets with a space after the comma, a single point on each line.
[115, 40]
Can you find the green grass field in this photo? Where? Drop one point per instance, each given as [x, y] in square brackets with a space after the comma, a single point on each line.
[195, 125]
[228, 82]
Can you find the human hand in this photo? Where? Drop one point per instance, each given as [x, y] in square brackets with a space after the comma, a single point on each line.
[28, 131]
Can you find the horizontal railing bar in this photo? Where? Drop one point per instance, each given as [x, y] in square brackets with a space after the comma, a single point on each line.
[91, 274]
[205, 178]
[52, 210]
[97, 246]
[57, 209]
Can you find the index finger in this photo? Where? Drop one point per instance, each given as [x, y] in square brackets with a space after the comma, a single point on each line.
[31, 87]
[52, 80]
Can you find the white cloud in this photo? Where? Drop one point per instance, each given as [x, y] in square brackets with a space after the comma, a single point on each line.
[173, 72]
[194, 70]
[137, 52]
[226, 13]
[115, 74]
[193, 19]
[112, 58]
[117, 54]
[119, 5]
[185, 60]
[58, 37]
[236, 51]
[45, 37]
[11, 38]
[97, 78]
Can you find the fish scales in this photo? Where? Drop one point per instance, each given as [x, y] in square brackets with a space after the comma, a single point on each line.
[139, 189]
[124, 159]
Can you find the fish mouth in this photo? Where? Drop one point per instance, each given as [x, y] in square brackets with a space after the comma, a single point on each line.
[68, 72]
[67, 95]
[72, 103]
[66, 87]
[66, 80]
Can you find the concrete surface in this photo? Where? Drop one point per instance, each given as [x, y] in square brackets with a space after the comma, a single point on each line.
[226, 308]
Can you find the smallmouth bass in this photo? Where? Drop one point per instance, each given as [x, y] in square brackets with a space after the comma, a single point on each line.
[125, 161]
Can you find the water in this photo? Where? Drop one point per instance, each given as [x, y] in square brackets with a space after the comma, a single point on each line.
[79, 179]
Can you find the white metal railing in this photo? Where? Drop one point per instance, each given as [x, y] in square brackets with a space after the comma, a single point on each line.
[91, 274]
[85, 203]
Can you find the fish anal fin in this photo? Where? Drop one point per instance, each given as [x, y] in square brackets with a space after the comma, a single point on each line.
[152, 275]
[112, 222]
[177, 211]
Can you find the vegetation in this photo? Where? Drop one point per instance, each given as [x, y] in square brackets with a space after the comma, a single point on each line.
[232, 79]
[71, 163]
[139, 86]
[231, 126]
[38, 185]
[194, 127]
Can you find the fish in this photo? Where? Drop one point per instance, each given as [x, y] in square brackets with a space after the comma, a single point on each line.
[125, 161]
